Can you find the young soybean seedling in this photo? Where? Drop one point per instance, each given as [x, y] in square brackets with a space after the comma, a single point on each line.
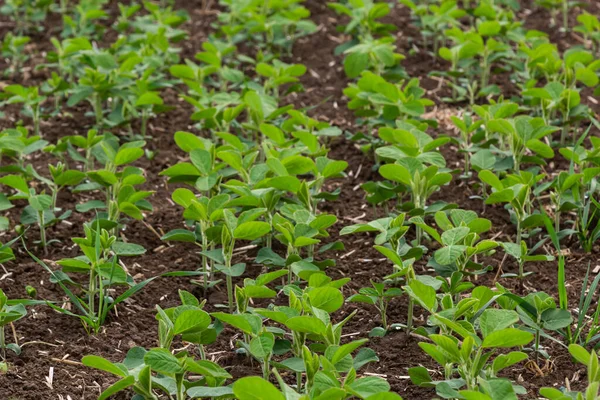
[515, 190]
[60, 178]
[13, 48]
[32, 102]
[203, 212]
[158, 370]
[118, 180]
[540, 315]
[460, 241]
[379, 297]
[521, 255]
[243, 227]
[590, 360]
[39, 210]
[100, 265]
[189, 321]
[467, 352]
[9, 312]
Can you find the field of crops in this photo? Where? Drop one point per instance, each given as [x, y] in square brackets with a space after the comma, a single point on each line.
[299, 200]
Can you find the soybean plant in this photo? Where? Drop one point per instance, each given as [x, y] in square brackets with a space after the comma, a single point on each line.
[10, 311]
[100, 265]
[174, 370]
[32, 102]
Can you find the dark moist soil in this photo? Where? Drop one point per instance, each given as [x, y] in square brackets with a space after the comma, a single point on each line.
[53, 344]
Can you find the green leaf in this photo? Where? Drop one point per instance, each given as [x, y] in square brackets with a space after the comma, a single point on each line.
[240, 321]
[256, 388]
[587, 77]
[455, 235]
[371, 385]
[506, 338]
[488, 28]
[306, 324]
[127, 249]
[425, 295]
[503, 361]
[540, 148]
[103, 364]
[580, 354]
[162, 361]
[449, 254]
[489, 178]
[149, 98]
[128, 155]
[190, 321]
[206, 368]
[15, 182]
[188, 141]
[355, 63]
[202, 160]
[262, 346]
[396, 173]
[69, 178]
[179, 235]
[346, 349]
[492, 320]
[556, 318]
[251, 230]
[326, 298]
[503, 196]
[117, 387]
[197, 392]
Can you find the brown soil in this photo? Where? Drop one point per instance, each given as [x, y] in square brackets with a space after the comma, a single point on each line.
[53, 344]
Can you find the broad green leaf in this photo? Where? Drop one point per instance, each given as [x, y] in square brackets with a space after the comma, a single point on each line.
[103, 364]
[326, 298]
[161, 360]
[506, 338]
[492, 320]
[256, 388]
[191, 320]
[251, 230]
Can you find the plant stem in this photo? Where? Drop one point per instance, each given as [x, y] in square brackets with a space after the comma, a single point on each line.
[2, 343]
[229, 280]
[42, 231]
[36, 121]
[204, 261]
[382, 311]
[98, 112]
[144, 123]
[409, 320]
[537, 345]
[266, 369]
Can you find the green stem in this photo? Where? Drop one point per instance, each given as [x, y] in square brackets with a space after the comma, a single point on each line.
[299, 382]
[266, 369]
[204, 261]
[92, 292]
[36, 121]
[144, 123]
[472, 378]
[537, 345]
[409, 320]
[383, 312]
[3, 343]
[229, 280]
[98, 111]
[42, 230]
